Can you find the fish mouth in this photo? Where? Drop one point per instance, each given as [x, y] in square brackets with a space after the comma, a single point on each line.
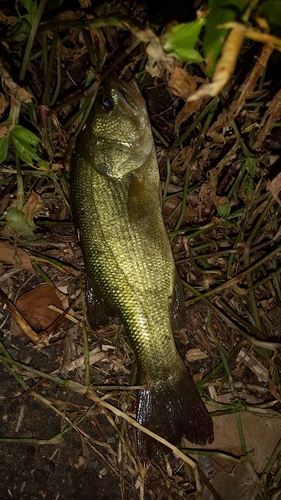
[142, 151]
[122, 144]
[130, 98]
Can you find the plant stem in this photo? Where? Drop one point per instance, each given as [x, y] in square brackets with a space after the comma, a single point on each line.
[32, 34]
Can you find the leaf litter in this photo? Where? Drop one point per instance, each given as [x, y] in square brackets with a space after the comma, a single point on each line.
[222, 212]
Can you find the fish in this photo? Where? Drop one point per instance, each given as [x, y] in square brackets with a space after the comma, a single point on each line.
[117, 210]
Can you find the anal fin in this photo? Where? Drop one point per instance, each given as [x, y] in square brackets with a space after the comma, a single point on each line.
[98, 311]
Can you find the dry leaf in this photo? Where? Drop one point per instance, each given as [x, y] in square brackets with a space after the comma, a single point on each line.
[95, 355]
[18, 317]
[271, 116]
[154, 49]
[3, 104]
[22, 95]
[6, 129]
[275, 187]
[67, 15]
[195, 355]
[182, 160]
[85, 4]
[99, 44]
[33, 206]
[273, 387]
[250, 83]
[182, 83]
[34, 306]
[251, 362]
[256, 35]
[15, 256]
[13, 88]
[225, 65]
[188, 109]
[190, 214]
[9, 20]
[231, 49]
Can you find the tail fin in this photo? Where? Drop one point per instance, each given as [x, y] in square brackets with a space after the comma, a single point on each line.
[172, 409]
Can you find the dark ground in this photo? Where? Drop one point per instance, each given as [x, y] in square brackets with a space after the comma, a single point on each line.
[69, 469]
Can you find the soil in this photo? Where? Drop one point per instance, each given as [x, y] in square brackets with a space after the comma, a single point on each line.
[67, 469]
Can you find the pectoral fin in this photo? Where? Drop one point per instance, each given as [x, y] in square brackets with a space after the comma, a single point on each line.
[137, 200]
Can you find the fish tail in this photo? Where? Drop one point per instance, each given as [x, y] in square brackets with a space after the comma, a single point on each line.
[172, 409]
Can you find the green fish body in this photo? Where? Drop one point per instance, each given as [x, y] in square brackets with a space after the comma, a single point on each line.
[117, 211]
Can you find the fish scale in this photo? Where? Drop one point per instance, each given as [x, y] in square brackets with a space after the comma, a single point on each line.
[116, 207]
[128, 280]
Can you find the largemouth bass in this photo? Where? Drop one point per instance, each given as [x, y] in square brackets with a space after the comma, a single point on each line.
[117, 210]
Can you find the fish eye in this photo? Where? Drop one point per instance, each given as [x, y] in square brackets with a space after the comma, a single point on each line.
[106, 102]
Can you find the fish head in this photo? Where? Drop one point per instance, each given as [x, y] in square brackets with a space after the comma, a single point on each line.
[119, 136]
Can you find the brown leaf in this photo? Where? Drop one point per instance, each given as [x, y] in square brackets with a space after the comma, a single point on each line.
[195, 355]
[15, 256]
[5, 201]
[250, 83]
[84, 4]
[188, 109]
[67, 15]
[9, 20]
[3, 104]
[99, 43]
[18, 317]
[256, 35]
[182, 83]
[33, 206]
[275, 187]
[157, 58]
[226, 64]
[6, 129]
[34, 306]
[13, 88]
[272, 377]
[190, 214]
[271, 116]
[182, 160]
[22, 95]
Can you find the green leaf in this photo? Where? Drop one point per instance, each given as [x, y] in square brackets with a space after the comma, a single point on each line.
[250, 164]
[271, 11]
[20, 31]
[19, 224]
[223, 210]
[250, 188]
[180, 40]
[25, 135]
[3, 148]
[221, 11]
[25, 143]
[27, 10]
